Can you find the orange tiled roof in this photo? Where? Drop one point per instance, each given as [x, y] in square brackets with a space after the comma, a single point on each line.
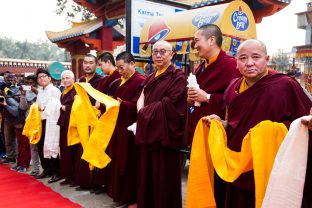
[76, 30]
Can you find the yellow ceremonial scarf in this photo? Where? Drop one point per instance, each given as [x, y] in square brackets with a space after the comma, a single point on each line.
[244, 86]
[211, 60]
[160, 71]
[84, 126]
[210, 151]
[66, 90]
[33, 126]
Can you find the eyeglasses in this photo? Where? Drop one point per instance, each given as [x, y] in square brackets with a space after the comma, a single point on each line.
[161, 52]
[42, 76]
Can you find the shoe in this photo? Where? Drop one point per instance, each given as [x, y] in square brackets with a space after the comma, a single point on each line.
[119, 205]
[65, 182]
[101, 190]
[80, 188]
[34, 173]
[54, 178]
[72, 184]
[15, 168]
[7, 161]
[21, 169]
[43, 175]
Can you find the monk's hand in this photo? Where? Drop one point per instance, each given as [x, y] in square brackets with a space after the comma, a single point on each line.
[119, 100]
[207, 120]
[63, 107]
[307, 121]
[198, 95]
[97, 105]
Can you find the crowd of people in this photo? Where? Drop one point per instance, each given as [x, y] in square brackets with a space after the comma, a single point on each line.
[163, 112]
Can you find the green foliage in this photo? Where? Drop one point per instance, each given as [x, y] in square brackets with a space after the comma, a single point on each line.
[73, 11]
[41, 50]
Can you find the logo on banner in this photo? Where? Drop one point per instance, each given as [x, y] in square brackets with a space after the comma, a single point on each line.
[157, 31]
[240, 20]
[205, 18]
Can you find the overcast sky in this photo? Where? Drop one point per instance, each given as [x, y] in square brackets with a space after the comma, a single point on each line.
[21, 20]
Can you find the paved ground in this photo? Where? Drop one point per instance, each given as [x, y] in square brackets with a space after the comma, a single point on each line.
[88, 200]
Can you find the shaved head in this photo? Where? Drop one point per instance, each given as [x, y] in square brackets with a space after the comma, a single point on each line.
[253, 42]
[163, 44]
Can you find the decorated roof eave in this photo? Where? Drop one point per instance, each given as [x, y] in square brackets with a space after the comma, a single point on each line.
[76, 31]
[107, 9]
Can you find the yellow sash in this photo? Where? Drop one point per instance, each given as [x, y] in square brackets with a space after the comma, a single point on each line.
[33, 126]
[84, 126]
[210, 151]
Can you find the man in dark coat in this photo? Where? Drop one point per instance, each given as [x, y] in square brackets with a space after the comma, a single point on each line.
[161, 132]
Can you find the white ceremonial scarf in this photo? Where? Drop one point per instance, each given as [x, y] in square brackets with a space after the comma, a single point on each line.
[286, 183]
[52, 133]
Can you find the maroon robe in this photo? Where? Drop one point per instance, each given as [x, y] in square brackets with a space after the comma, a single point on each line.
[275, 97]
[161, 133]
[213, 80]
[122, 183]
[67, 153]
[106, 81]
[83, 175]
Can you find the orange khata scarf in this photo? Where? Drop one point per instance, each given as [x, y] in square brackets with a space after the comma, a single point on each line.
[84, 126]
[210, 151]
[33, 126]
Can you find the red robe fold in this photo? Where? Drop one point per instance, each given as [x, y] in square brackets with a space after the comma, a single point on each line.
[161, 132]
[214, 80]
[122, 184]
[68, 153]
[275, 97]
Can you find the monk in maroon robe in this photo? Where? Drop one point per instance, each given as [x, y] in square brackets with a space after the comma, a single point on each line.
[68, 153]
[122, 183]
[107, 64]
[84, 177]
[213, 76]
[161, 132]
[260, 95]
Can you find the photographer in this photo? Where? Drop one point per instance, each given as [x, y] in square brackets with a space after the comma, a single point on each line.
[10, 102]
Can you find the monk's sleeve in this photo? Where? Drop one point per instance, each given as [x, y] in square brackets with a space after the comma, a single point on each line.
[164, 121]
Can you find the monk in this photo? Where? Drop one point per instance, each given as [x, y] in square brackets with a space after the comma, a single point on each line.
[68, 153]
[161, 132]
[84, 177]
[261, 94]
[108, 67]
[213, 76]
[107, 64]
[122, 149]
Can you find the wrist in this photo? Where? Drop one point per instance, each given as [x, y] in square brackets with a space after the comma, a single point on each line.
[208, 97]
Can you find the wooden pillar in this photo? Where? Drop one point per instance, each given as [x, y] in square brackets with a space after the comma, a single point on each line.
[107, 38]
[77, 61]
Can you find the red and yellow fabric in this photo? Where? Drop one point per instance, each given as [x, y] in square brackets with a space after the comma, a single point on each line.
[84, 126]
[33, 125]
[210, 151]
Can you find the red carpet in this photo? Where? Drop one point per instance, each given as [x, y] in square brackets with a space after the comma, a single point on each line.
[22, 190]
